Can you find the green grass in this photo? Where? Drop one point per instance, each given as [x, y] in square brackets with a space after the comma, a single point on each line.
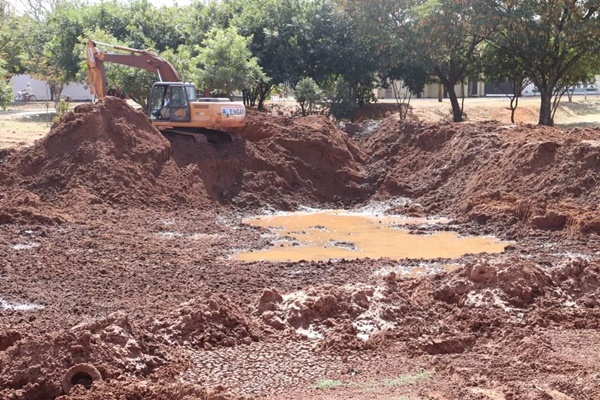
[408, 379]
[328, 384]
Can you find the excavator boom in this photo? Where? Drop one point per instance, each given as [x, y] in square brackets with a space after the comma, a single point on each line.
[136, 58]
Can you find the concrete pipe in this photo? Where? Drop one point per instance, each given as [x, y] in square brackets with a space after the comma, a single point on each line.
[80, 374]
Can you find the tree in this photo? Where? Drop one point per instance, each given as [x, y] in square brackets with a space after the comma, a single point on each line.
[13, 31]
[344, 42]
[582, 73]
[546, 38]
[226, 62]
[446, 41]
[51, 47]
[275, 29]
[340, 99]
[160, 28]
[404, 75]
[307, 94]
[499, 66]
[440, 36]
[39, 10]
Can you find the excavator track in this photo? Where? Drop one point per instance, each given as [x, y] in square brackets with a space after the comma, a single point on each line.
[199, 135]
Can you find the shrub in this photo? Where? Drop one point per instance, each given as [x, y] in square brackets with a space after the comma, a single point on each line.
[61, 109]
[308, 95]
[341, 100]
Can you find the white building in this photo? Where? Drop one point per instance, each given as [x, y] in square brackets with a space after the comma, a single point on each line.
[477, 89]
[41, 90]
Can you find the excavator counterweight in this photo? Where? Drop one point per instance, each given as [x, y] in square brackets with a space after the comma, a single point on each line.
[173, 105]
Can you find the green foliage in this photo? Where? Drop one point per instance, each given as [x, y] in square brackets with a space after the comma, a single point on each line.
[13, 42]
[62, 107]
[183, 61]
[345, 42]
[441, 37]
[255, 45]
[413, 77]
[276, 32]
[341, 101]
[308, 94]
[6, 90]
[227, 63]
[275, 29]
[500, 65]
[50, 45]
[447, 41]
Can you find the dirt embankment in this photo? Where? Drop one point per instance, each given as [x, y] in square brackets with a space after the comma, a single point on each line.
[512, 178]
[110, 154]
[521, 176]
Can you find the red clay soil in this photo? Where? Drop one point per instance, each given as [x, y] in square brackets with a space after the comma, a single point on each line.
[117, 282]
[105, 153]
[110, 154]
[512, 176]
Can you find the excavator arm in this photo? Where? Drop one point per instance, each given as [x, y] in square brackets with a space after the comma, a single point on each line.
[136, 58]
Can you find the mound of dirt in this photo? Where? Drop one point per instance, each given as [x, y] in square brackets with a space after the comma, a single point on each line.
[522, 175]
[20, 206]
[507, 283]
[580, 279]
[206, 322]
[33, 368]
[109, 151]
[339, 314]
[299, 161]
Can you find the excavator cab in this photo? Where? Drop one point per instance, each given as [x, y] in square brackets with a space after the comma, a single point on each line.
[170, 101]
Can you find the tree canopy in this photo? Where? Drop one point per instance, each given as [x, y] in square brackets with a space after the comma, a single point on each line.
[347, 47]
[548, 39]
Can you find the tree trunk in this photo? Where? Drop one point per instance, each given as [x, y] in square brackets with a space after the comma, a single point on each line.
[57, 93]
[440, 93]
[462, 100]
[456, 111]
[546, 108]
[514, 102]
[264, 89]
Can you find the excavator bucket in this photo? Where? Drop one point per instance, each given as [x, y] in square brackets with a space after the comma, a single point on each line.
[96, 75]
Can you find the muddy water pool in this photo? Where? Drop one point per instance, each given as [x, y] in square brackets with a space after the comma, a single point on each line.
[324, 235]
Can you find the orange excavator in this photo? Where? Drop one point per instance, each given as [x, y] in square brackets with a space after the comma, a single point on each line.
[173, 106]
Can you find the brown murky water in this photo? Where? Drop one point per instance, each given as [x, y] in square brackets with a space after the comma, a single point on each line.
[338, 234]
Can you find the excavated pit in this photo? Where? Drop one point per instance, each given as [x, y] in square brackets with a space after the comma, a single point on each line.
[133, 234]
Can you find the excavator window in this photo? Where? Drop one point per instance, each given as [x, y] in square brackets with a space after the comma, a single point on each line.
[169, 102]
[180, 109]
[157, 102]
[191, 91]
